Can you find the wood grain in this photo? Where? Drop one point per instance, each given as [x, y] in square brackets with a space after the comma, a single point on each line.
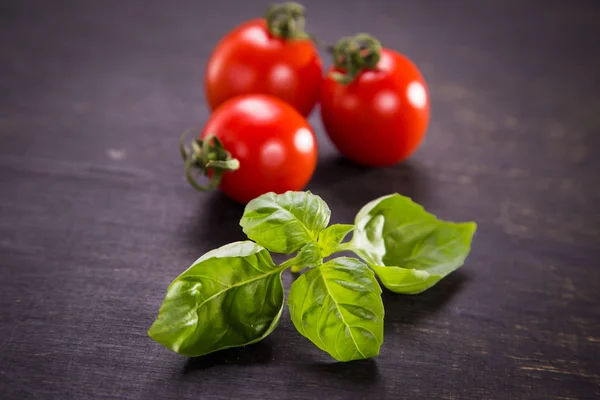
[96, 218]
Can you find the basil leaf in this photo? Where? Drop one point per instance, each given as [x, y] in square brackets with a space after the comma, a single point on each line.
[231, 296]
[330, 238]
[309, 256]
[338, 307]
[409, 248]
[404, 280]
[284, 223]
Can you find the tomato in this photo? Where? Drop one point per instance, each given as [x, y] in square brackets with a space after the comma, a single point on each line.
[251, 60]
[381, 117]
[274, 144]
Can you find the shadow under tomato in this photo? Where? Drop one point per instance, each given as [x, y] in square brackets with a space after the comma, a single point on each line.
[409, 309]
[257, 353]
[343, 183]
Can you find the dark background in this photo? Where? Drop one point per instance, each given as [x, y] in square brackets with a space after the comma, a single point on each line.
[96, 218]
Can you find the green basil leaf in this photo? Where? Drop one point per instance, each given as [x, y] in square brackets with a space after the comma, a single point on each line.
[231, 296]
[330, 238]
[338, 307]
[404, 280]
[284, 223]
[309, 256]
[409, 248]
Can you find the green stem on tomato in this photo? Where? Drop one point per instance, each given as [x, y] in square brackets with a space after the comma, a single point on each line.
[208, 158]
[286, 20]
[353, 55]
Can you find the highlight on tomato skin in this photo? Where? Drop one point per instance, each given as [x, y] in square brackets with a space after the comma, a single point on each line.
[381, 118]
[274, 144]
[250, 59]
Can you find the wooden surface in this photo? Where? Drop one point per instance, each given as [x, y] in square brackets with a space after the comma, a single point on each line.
[96, 218]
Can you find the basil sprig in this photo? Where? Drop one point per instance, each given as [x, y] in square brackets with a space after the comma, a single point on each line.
[234, 296]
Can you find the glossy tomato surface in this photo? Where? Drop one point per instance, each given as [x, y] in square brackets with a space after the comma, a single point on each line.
[251, 60]
[275, 145]
[380, 118]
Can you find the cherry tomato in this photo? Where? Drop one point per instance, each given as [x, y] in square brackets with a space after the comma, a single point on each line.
[381, 117]
[274, 144]
[251, 60]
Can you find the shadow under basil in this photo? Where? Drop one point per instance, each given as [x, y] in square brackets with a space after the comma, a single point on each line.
[409, 309]
[339, 180]
[216, 222]
[257, 353]
[359, 372]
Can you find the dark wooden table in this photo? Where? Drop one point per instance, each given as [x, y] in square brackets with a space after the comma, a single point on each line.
[96, 218]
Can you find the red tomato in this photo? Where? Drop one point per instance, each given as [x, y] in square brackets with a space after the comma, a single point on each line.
[381, 117]
[275, 145]
[251, 60]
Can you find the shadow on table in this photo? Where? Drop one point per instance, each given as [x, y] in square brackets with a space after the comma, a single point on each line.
[343, 182]
[409, 309]
[360, 372]
[216, 222]
[257, 353]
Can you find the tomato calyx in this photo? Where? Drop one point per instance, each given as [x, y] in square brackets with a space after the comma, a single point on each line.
[206, 157]
[353, 55]
[286, 20]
